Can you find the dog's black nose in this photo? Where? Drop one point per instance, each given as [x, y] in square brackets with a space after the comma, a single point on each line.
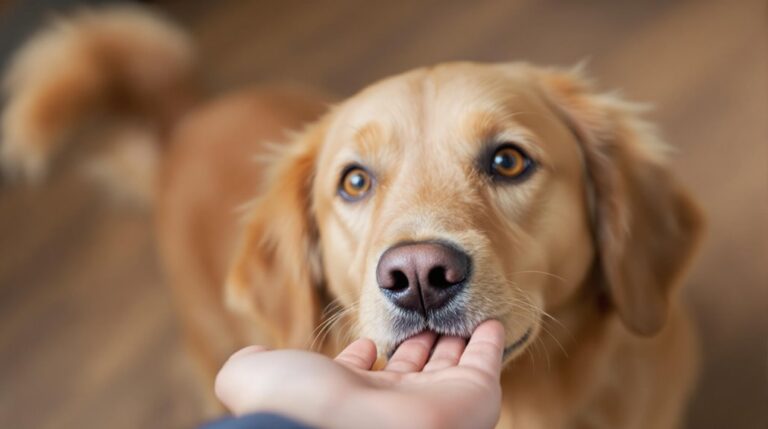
[422, 276]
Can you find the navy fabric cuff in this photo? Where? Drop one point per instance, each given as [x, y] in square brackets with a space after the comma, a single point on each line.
[256, 421]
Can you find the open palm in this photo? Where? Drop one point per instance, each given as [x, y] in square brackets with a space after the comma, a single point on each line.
[457, 385]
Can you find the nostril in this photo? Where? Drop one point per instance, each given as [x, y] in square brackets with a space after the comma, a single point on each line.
[438, 278]
[399, 280]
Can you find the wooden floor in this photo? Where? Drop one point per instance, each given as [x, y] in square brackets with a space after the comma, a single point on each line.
[88, 336]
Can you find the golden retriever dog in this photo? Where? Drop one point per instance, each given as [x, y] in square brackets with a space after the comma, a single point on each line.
[431, 200]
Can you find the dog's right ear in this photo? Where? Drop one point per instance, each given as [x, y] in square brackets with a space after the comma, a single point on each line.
[276, 274]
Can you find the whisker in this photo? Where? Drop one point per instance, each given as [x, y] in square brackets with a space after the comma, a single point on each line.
[543, 326]
[532, 313]
[322, 331]
[327, 313]
[554, 276]
[334, 327]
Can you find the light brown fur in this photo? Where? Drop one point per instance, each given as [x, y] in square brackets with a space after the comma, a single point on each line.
[587, 253]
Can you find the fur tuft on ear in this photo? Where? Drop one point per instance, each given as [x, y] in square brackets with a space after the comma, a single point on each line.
[276, 274]
[646, 226]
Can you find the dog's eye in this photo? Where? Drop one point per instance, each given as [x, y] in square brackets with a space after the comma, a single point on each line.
[355, 183]
[510, 162]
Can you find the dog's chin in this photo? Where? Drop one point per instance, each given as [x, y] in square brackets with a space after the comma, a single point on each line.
[447, 323]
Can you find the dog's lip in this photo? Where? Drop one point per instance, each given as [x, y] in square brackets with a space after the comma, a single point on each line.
[517, 343]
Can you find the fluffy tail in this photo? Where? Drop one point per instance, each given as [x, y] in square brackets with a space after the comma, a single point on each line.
[108, 82]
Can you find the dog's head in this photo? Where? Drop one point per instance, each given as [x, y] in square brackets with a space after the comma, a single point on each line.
[446, 196]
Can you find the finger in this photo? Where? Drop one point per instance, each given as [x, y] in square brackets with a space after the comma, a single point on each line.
[361, 354]
[485, 348]
[248, 351]
[228, 379]
[447, 353]
[412, 354]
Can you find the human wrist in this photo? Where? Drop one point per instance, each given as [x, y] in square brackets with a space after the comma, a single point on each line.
[381, 409]
[356, 409]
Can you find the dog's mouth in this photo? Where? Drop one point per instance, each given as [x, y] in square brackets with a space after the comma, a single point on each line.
[451, 320]
[508, 350]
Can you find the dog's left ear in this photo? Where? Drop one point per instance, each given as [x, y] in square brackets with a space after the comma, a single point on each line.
[276, 275]
[646, 227]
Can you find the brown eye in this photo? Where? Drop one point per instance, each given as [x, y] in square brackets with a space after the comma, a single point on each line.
[355, 184]
[510, 162]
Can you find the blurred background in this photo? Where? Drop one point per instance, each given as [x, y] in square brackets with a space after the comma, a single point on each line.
[88, 336]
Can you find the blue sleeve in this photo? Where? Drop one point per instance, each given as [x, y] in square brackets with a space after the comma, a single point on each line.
[256, 421]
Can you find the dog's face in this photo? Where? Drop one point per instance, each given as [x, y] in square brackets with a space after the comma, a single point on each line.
[446, 196]
[465, 178]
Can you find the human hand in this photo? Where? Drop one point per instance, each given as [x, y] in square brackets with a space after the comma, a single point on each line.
[457, 386]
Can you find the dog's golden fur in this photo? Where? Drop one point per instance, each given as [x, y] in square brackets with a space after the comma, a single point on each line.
[581, 262]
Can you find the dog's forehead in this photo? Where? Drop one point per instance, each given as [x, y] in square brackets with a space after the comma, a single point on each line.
[440, 99]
